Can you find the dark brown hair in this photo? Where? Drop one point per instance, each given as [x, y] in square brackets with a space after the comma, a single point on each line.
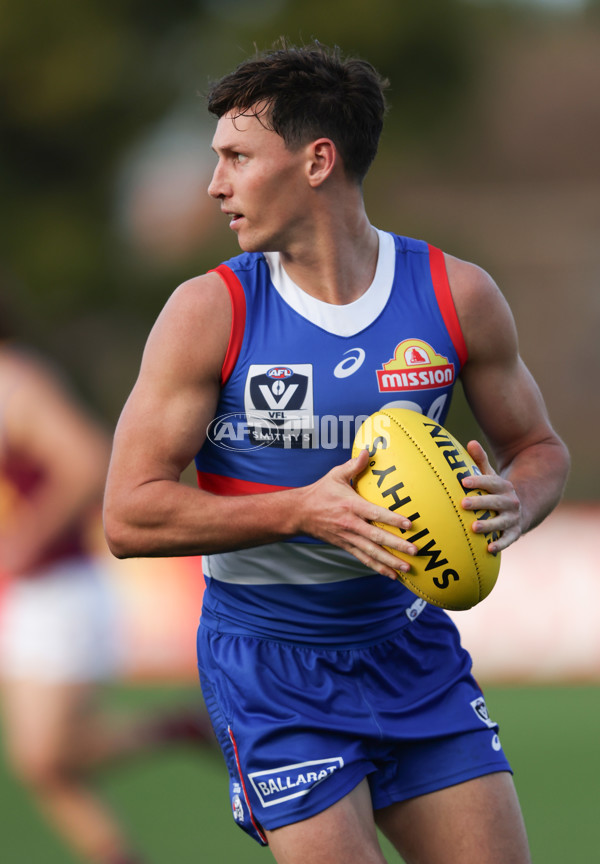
[309, 92]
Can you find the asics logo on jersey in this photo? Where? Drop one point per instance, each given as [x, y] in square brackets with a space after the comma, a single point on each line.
[349, 365]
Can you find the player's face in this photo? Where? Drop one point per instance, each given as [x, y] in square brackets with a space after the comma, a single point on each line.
[260, 183]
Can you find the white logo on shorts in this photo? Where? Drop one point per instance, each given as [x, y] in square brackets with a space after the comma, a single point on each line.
[238, 809]
[236, 801]
[480, 708]
[292, 781]
[415, 609]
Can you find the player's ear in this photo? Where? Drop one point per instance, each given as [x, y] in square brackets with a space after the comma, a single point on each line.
[322, 157]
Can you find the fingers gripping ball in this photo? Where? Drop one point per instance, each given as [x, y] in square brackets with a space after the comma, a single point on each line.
[416, 468]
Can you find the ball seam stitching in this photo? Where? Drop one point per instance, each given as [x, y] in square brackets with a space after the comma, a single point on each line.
[446, 490]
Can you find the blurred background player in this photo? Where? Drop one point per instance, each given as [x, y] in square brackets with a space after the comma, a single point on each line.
[58, 635]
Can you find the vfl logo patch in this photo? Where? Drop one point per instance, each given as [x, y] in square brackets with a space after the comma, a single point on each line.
[278, 401]
[292, 781]
[415, 366]
[480, 708]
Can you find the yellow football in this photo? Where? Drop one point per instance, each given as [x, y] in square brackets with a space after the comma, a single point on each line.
[415, 468]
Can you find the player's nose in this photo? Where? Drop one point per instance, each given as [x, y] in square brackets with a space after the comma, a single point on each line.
[218, 186]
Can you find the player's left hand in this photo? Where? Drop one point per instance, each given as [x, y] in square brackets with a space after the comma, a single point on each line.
[502, 499]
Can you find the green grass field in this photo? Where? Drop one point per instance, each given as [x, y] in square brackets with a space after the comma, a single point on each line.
[176, 803]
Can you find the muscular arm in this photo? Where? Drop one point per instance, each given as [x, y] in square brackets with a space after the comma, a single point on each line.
[531, 460]
[148, 512]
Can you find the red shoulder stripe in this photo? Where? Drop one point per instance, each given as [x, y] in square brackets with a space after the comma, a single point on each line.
[238, 319]
[443, 293]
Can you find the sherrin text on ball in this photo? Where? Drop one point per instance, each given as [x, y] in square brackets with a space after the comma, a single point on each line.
[416, 467]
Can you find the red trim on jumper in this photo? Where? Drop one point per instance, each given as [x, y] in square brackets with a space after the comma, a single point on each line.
[257, 827]
[441, 285]
[221, 485]
[238, 319]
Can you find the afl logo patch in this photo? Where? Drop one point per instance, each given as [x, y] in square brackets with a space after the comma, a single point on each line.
[278, 372]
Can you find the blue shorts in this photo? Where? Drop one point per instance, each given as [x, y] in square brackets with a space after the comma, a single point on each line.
[300, 727]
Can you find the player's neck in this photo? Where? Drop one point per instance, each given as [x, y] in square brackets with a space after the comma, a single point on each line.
[336, 263]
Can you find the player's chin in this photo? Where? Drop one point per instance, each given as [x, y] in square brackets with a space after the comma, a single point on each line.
[249, 247]
[251, 239]
[249, 242]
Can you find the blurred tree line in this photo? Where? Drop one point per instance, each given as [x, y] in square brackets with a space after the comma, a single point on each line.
[96, 93]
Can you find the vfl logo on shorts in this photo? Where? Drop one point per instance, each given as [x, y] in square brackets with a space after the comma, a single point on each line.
[480, 708]
[292, 781]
